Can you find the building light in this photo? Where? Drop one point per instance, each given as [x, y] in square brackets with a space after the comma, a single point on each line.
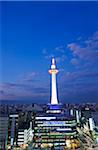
[47, 118]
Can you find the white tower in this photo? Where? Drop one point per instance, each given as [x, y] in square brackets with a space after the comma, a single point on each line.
[53, 71]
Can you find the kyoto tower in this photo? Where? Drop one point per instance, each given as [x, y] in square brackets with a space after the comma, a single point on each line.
[53, 71]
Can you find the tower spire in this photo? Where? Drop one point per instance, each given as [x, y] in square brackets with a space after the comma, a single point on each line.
[53, 61]
[53, 71]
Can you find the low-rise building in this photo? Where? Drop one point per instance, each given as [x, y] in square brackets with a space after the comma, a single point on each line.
[25, 134]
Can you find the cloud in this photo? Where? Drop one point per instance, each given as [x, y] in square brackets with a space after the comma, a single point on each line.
[1, 92]
[80, 75]
[95, 36]
[57, 52]
[79, 93]
[86, 53]
[60, 49]
[4, 94]
[79, 86]
[30, 77]
[61, 58]
[9, 85]
[12, 91]
[88, 50]
[74, 61]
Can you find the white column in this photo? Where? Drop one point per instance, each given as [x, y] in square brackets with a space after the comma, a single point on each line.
[54, 90]
[91, 124]
[71, 112]
[77, 116]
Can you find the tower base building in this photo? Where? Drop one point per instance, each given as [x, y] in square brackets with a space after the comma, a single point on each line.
[54, 128]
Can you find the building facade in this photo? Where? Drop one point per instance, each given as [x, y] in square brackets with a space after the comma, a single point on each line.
[55, 130]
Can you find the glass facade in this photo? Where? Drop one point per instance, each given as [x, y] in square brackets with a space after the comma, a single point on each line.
[54, 130]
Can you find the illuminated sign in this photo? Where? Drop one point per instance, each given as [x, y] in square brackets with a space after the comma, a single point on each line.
[47, 118]
[63, 129]
[14, 115]
[54, 111]
[54, 123]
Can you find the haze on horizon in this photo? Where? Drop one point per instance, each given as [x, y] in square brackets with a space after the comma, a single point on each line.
[33, 32]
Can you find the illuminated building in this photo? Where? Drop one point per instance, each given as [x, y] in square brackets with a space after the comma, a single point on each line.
[94, 126]
[95, 133]
[91, 124]
[13, 124]
[54, 128]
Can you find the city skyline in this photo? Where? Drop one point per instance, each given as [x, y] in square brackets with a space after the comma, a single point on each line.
[32, 33]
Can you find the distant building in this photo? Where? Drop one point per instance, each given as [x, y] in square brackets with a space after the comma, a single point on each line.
[76, 113]
[13, 128]
[95, 131]
[3, 131]
[33, 108]
[86, 112]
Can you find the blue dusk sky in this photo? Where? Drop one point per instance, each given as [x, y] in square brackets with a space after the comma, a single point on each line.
[32, 33]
